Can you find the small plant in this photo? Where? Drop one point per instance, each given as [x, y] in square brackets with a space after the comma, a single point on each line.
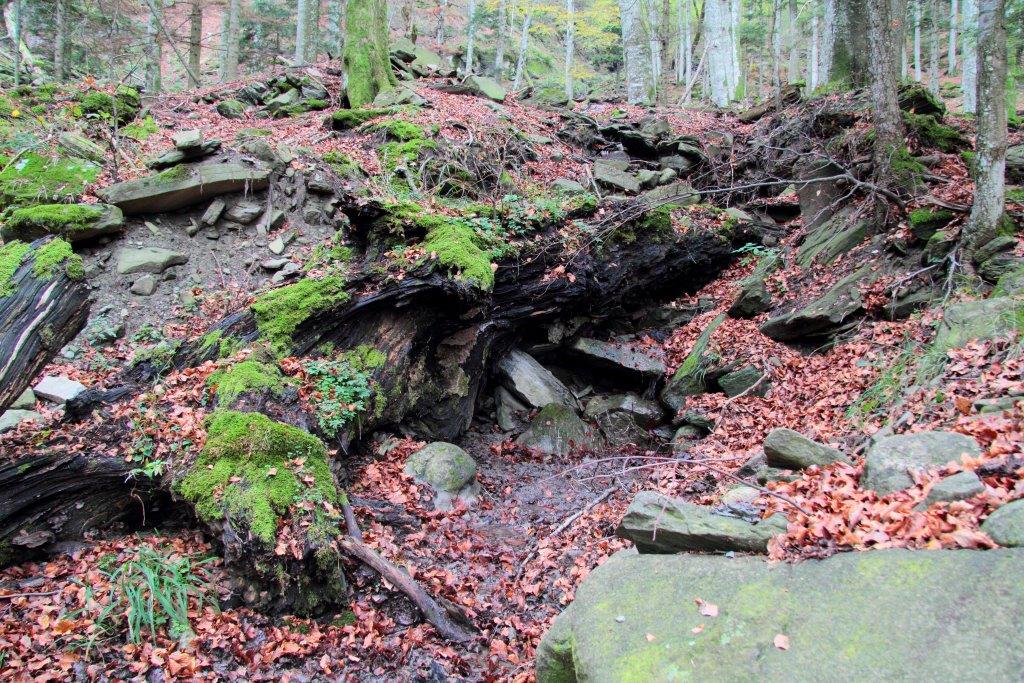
[151, 469]
[751, 252]
[148, 334]
[343, 387]
[150, 592]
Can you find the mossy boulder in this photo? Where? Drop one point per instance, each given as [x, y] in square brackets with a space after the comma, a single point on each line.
[832, 239]
[123, 106]
[446, 468]
[879, 615]
[888, 463]
[689, 378]
[347, 119]
[822, 316]
[248, 376]
[924, 221]
[231, 109]
[754, 297]
[557, 430]
[74, 222]
[791, 450]
[35, 179]
[983, 319]
[931, 133]
[483, 86]
[1005, 526]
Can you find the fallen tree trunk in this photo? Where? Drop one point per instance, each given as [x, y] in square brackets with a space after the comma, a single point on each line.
[43, 306]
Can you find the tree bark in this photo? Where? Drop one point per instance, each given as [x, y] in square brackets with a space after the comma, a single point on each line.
[524, 45]
[154, 51]
[501, 38]
[60, 40]
[570, 36]
[812, 61]
[918, 70]
[195, 43]
[934, 28]
[653, 46]
[990, 149]
[954, 24]
[969, 63]
[230, 41]
[16, 37]
[367, 60]
[717, 32]
[470, 35]
[442, 6]
[776, 34]
[636, 55]
[38, 317]
[301, 32]
[885, 35]
[793, 73]
[826, 52]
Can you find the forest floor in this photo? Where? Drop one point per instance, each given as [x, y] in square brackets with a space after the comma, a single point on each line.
[500, 559]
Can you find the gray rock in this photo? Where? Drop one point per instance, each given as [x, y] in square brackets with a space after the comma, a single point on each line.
[888, 462]
[619, 358]
[231, 109]
[960, 486]
[740, 494]
[486, 87]
[290, 269]
[736, 382]
[81, 146]
[25, 401]
[144, 286]
[568, 186]
[625, 418]
[276, 246]
[274, 263]
[976, 320]
[1015, 164]
[12, 418]
[244, 212]
[787, 449]
[58, 389]
[835, 237]
[507, 407]
[557, 430]
[531, 382]
[608, 176]
[689, 379]
[28, 226]
[883, 615]
[188, 140]
[213, 212]
[659, 524]
[447, 469]
[754, 297]
[183, 186]
[1005, 526]
[825, 314]
[148, 260]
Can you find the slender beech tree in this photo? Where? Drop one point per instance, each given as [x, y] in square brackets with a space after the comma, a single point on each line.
[524, 46]
[195, 43]
[969, 62]
[720, 51]
[442, 7]
[18, 22]
[826, 52]
[301, 31]
[367, 60]
[229, 41]
[885, 32]
[636, 54]
[470, 35]
[777, 48]
[918, 71]
[154, 51]
[988, 212]
[793, 73]
[954, 25]
[500, 39]
[60, 39]
[934, 40]
[570, 37]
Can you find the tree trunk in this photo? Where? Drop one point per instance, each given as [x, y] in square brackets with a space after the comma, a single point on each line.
[954, 24]
[570, 35]
[934, 39]
[442, 6]
[826, 52]
[717, 33]
[154, 51]
[470, 35]
[313, 31]
[301, 32]
[39, 315]
[918, 71]
[812, 62]
[653, 46]
[990, 149]
[524, 45]
[498, 69]
[969, 62]
[195, 43]
[636, 56]
[777, 50]
[737, 80]
[342, 18]
[16, 37]
[230, 42]
[885, 35]
[60, 40]
[367, 60]
[793, 73]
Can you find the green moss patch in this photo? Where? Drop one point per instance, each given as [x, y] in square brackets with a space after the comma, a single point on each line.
[11, 256]
[279, 312]
[34, 179]
[249, 472]
[931, 133]
[123, 105]
[246, 376]
[50, 219]
[924, 221]
[54, 256]
[456, 246]
[345, 119]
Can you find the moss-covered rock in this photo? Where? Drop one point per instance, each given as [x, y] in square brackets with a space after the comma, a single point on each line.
[688, 379]
[925, 221]
[347, 119]
[35, 179]
[123, 106]
[557, 430]
[249, 375]
[280, 312]
[231, 109]
[878, 615]
[74, 222]
[931, 133]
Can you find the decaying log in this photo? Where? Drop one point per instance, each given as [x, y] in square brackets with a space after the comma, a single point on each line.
[41, 310]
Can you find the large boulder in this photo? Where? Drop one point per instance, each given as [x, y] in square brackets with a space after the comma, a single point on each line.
[619, 358]
[482, 86]
[608, 176]
[1005, 526]
[790, 450]
[531, 382]
[888, 463]
[886, 615]
[983, 319]
[754, 297]
[557, 430]
[183, 186]
[689, 378]
[446, 468]
[659, 524]
[625, 418]
[749, 379]
[1015, 164]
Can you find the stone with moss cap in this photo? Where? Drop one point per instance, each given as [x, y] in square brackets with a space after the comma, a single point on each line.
[280, 312]
[75, 222]
[247, 473]
[557, 430]
[878, 615]
[249, 375]
[448, 469]
[33, 179]
[123, 105]
[688, 379]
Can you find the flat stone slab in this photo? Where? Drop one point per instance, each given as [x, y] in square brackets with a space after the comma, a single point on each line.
[659, 524]
[58, 389]
[531, 382]
[10, 419]
[148, 260]
[182, 186]
[790, 450]
[885, 615]
[619, 358]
